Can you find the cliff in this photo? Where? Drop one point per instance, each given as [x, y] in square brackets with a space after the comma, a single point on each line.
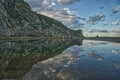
[18, 20]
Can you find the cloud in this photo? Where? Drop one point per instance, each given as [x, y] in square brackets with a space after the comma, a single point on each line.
[101, 31]
[101, 7]
[114, 23]
[95, 18]
[115, 32]
[105, 24]
[93, 32]
[67, 2]
[41, 3]
[77, 26]
[62, 14]
[116, 9]
[83, 18]
[34, 3]
[97, 31]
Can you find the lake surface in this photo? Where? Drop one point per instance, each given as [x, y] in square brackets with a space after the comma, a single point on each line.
[59, 60]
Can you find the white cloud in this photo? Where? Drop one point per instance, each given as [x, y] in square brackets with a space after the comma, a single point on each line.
[62, 14]
[116, 22]
[115, 32]
[65, 17]
[67, 2]
[41, 3]
[93, 32]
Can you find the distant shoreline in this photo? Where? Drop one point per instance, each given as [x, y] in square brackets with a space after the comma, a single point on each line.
[110, 39]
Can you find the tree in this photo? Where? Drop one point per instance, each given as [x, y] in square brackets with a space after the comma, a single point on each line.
[97, 36]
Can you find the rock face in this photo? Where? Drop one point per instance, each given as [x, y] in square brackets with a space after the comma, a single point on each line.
[18, 20]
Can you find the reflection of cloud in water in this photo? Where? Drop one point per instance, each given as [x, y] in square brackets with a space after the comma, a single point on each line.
[114, 51]
[57, 68]
[98, 57]
[89, 43]
[73, 64]
[116, 64]
[115, 44]
[68, 74]
[75, 48]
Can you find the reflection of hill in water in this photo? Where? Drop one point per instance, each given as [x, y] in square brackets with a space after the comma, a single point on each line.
[17, 57]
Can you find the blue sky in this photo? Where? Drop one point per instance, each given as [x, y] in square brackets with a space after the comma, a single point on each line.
[94, 17]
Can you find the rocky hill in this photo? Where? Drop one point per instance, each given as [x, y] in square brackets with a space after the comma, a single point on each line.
[18, 20]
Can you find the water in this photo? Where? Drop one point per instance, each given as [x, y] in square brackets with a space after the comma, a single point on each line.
[59, 60]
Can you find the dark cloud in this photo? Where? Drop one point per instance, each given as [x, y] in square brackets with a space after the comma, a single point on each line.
[83, 18]
[101, 7]
[80, 18]
[93, 19]
[116, 9]
[100, 31]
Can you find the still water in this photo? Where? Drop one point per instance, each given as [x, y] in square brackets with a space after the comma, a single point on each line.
[59, 60]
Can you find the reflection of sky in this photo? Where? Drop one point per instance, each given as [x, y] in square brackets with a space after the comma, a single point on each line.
[93, 60]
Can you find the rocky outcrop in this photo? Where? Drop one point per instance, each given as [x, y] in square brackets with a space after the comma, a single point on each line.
[18, 20]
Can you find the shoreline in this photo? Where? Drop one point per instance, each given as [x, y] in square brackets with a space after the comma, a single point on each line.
[37, 38]
[110, 39]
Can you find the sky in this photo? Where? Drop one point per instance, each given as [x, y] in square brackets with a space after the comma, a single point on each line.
[94, 17]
